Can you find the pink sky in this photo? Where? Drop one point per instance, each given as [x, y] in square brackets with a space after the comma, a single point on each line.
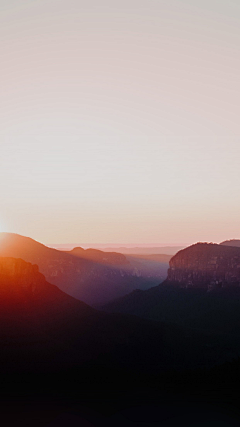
[120, 120]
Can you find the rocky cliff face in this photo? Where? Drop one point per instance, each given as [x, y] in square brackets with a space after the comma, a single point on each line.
[17, 275]
[24, 289]
[94, 280]
[206, 265]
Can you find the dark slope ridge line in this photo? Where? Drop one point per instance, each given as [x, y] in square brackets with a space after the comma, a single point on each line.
[90, 281]
[43, 330]
[202, 293]
[96, 255]
[132, 365]
[53, 345]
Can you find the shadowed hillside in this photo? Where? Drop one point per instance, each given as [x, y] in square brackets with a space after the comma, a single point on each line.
[149, 269]
[91, 278]
[202, 293]
[54, 345]
[43, 329]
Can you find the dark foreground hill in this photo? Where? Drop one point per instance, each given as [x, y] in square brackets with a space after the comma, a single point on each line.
[42, 328]
[92, 277]
[216, 312]
[202, 293]
[57, 351]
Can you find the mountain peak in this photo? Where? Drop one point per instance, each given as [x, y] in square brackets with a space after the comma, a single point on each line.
[206, 265]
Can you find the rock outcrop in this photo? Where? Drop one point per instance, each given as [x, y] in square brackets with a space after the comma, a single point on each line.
[206, 265]
[17, 276]
[24, 287]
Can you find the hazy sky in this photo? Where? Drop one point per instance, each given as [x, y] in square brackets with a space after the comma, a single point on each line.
[120, 120]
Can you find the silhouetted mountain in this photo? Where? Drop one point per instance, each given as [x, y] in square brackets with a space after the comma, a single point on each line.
[126, 250]
[233, 242]
[107, 258]
[206, 265]
[193, 308]
[202, 292]
[53, 345]
[42, 330]
[89, 280]
[150, 271]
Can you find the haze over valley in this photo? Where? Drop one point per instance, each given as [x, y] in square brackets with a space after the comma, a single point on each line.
[119, 213]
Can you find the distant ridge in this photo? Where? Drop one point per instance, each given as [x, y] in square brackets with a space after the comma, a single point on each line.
[107, 258]
[202, 292]
[167, 250]
[126, 250]
[91, 277]
[232, 242]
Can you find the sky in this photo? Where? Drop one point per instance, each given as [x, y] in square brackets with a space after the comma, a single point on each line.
[120, 120]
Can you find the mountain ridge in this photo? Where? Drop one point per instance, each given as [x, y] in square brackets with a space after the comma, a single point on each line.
[93, 282]
[231, 242]
[43, 329]
[206, 265]
[202, 291]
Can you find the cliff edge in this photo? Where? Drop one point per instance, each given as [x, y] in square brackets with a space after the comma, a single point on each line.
[206, 265]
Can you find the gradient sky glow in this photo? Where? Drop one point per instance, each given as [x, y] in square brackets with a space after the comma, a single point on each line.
[120, 120]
